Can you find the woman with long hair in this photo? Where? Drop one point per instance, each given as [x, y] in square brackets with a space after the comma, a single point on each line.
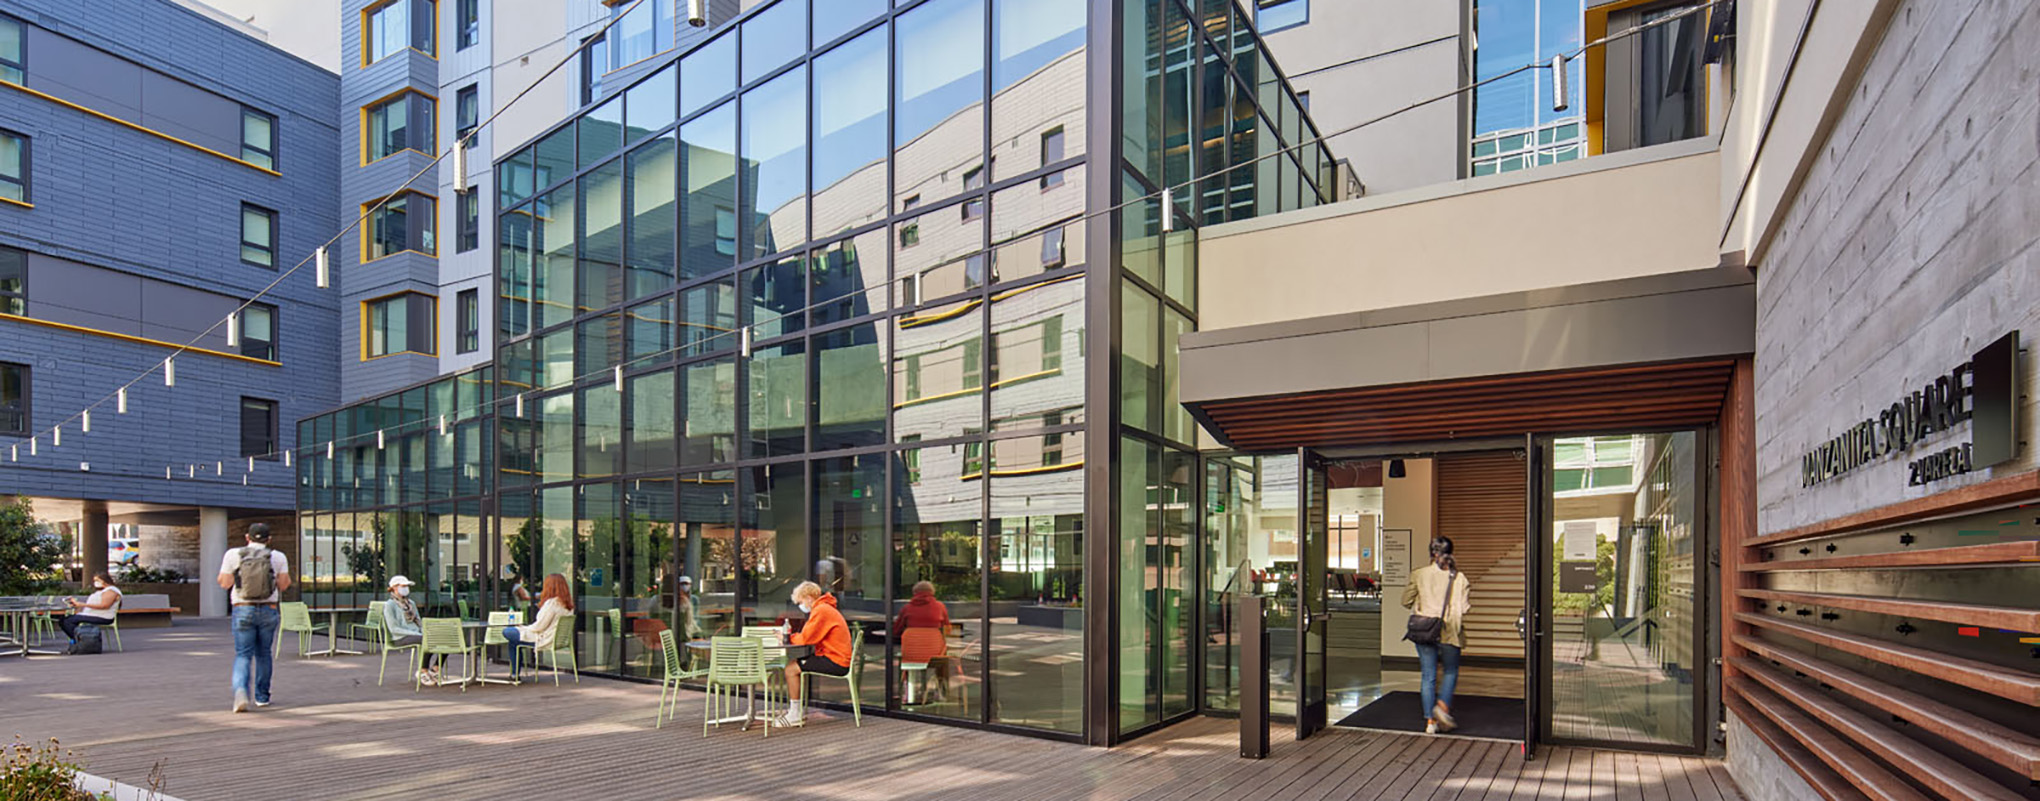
[1438, 590]
[98, 609]
[555, 600]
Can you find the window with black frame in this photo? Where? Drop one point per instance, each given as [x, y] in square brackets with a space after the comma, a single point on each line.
[467, 111]
[258, 236]
[14, 153]
[14, 397]
[405, 222]
[13, 281]
[258, 332]
[390, 28]
[467, 23]
[13, 50]
[400, 323]
[258, 138]
[258, 428]
[402, 121]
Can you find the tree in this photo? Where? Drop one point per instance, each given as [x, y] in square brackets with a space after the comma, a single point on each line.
[30, 555]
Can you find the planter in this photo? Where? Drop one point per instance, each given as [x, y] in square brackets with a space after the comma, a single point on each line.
[1067, 618]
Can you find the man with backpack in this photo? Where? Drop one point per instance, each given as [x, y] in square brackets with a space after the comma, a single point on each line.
[256, 577]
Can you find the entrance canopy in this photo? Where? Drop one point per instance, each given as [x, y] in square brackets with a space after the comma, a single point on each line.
[1647, 352]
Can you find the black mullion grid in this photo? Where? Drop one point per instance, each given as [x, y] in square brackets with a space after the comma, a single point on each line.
[895, 310]
[987, 358]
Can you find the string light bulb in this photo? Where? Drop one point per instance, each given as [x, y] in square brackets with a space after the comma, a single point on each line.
[619, 378]
[329, 451]
[286, 458]
[120, 401]
[170, 372]
[1168, 210]
[234, 330]
[322, 268]
[85, 421]
[378, 439]
[1561, 98]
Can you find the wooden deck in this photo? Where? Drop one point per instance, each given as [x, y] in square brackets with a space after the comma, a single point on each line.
[334, 734]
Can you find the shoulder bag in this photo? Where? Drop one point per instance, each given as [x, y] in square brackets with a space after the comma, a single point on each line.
[1426, 630]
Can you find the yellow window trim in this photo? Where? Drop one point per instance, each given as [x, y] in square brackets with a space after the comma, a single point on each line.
[435, 229]
[22, 203]
[1024, 471]
[139, 127]
[374, 7]
[934, 398]
[363, 127]
[140, 340]
[364, 326]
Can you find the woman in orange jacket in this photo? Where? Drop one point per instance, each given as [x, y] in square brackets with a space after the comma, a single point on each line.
[830, 637]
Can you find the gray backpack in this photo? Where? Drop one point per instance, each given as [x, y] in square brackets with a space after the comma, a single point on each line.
[254, 576]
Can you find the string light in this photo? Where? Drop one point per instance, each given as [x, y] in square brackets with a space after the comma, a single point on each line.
[619, 378]
[234, 329]
[85, 421]
[1168, 210]
[170, 372]
[57, 437]
[322, 270]
[120, 401]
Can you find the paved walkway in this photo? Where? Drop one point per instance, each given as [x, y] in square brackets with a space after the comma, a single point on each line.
[334, 734]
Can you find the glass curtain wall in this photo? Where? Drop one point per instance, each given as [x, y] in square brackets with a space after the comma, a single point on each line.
[1207, 115]
[810, 302]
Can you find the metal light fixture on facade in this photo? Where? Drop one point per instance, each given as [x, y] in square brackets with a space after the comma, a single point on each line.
[322, 270]
[1396, 469]
[744, 342]
[1560, 98]
[697, 13]
[120, 401]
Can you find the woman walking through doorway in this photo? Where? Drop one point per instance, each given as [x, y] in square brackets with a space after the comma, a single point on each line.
[1438, 586]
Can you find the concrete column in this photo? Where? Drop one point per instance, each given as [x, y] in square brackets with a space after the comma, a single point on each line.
[92, 540]
[212, 547]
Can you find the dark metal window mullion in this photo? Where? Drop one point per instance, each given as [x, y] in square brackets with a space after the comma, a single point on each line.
[987, 362]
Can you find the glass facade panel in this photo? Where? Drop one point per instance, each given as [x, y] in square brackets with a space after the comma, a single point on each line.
[708, 412]
[708, 222]
[708, 74]
[601, 266]
[849, 134]
[938, 94]
[708, 319]
[833, 18]
[600, 431]
[1035, 231]
[601, 131]
[774, 539]
[648, 329]
[847, 279]
[651, 104]
[1036, 648]
[774, 202]
[554, 157]
[552, 285]
[654, 217]
[1038, 72]
[775, 421]
[775, 297]
[774, 36]
[849, 382]
[651, 423]
[1038, 355]
[1140, 359]
[938, 371]
[850, 543]
[705, 548]
[937, 539]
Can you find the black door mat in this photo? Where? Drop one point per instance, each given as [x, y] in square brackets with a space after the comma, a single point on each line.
[1478, 715]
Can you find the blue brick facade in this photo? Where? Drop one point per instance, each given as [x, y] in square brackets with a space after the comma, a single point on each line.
[113, 197]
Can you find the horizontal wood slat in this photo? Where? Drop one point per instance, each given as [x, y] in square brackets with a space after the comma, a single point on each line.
[1688, 393]
[1999, 744]
[1984, 677]
[1937, 771]
[1859, 774]
[1996, 617]
[1973, 498]
[1996, 553]
[1481, 505]
[1824, 780]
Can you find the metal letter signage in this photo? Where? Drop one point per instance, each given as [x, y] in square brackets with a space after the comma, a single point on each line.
[1983, 390]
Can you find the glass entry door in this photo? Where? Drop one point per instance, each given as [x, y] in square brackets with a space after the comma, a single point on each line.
[1312, 622]
[1624, 574]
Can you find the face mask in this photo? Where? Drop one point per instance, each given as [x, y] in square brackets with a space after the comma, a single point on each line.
[403, 592]
[98, 585]
[806, 607]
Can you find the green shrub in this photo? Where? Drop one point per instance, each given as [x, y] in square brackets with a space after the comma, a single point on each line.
[29, 553]
[40, 773]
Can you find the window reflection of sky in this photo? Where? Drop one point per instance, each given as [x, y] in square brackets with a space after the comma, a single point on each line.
[1514, 33]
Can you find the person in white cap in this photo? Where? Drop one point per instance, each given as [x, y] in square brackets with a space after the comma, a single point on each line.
[400, 616]
[684, 601]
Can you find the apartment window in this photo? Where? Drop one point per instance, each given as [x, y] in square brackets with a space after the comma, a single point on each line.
[470, 220]
[467, 111]
[973, 459]
[973, 179]
[645, 31]
[911, 458]
[406, 222]
[1663, 93]
[397, 324]
[258, 427]
[258, 138]
[467, 23]
[1051, 152]
[1303, 99]
[13, 398]
[1051, 343]
[389, 28]
[468, 308]
[726, 231]
[14, 281]
[402, 121]
[910, 234]
[1052, 247]
[1594, 465]
[258, 332]
[258, 236]
[1274, 15]
[13, 166]
[13, 51]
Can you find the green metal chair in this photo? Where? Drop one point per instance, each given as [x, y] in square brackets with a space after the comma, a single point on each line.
[114, 626]
[854, 678]
[443, 637]
[616, 634]
[462, 605]
[373, 625]
[383, 638]
[676, 672]
[494, 636]
[297, 618]
[733, 662]
[562, 642]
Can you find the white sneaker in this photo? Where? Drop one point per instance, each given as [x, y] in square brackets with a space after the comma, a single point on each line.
[1444, 718]
[240, 702]
[427, 679]
[1430, 727]
[789, 720]
[260, 704]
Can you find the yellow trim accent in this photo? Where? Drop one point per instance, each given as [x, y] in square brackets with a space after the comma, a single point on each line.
[432, 130]
[374, 7]
[139, 127]
[942, 397]
[366, 224]
[1024, 471]
[1028, 377]
[910, 322]
[22, 203]
[140, 340]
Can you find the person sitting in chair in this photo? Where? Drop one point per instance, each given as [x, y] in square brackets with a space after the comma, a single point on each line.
[827, 638]
[98, 609]
[400, 617]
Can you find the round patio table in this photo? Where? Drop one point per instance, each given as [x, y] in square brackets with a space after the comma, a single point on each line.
[20, 615]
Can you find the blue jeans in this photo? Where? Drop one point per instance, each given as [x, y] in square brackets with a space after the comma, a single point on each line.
[254, 641]
[516, 637]
[1437, 688]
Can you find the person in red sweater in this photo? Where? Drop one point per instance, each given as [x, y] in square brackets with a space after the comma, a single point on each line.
[829, 635]
[923, 611]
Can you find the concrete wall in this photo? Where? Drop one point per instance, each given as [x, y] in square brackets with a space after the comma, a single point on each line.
[1359, 59]
[1640, 212]
[121, 199]
[1909, 246]
[1758, 771]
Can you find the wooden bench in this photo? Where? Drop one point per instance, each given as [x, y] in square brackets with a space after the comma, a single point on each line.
[146, 611]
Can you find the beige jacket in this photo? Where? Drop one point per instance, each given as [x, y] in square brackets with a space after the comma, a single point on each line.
[1425, 595]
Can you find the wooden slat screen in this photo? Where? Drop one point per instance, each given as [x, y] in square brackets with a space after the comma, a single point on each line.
[1481, 505]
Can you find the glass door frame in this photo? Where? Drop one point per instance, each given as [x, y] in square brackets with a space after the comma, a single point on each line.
[1541, 585]
[1313, 529]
